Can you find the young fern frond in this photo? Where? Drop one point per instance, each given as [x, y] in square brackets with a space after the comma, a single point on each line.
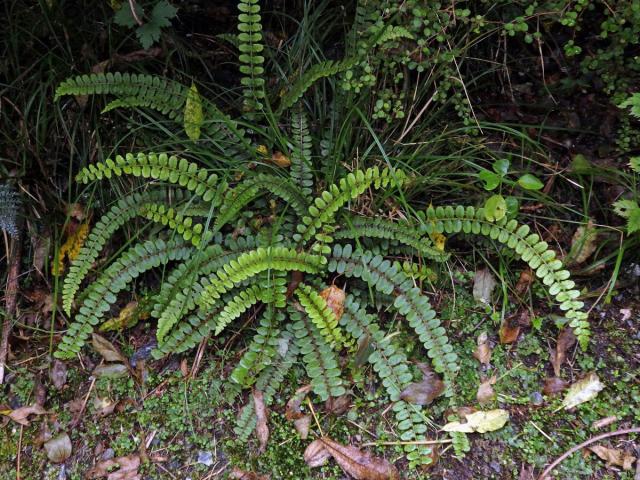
[527, 246]
[325, 206]
[301, 163]
[101, 294]
[381, 228]
[322, 316]
[251, 54]
[392, 367]
[319, 358]
[251, 263]
[311, 76]
[170, 169]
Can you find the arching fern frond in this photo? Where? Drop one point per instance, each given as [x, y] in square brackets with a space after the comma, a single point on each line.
[311, 76]
[527, 246]
[101, 294]
[175, 220]
[321, 315]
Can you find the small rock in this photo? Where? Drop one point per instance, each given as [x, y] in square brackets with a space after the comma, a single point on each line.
[536, 399]
[205, 458]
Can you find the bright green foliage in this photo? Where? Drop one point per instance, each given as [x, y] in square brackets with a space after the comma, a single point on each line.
[251, 54]
[301, 164]
[193, 115]
[176, 221]
[630, 208]
[321, 315]
[311, 76]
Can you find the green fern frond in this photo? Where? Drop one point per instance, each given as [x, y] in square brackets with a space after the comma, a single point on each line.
[381, 228]
[383, 276]
[527, 246]
[251, 263]
[176, 221]
[101, 294]
[319, 358]
[301, 164]
[311, 76]
[325, 206]
[118, 215]
[321, 315]
[251, 58]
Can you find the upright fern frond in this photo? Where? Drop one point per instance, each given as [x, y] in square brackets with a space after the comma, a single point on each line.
[311, 76]
[251, 58]
[301, 164]
[527, 246]
[101, 294]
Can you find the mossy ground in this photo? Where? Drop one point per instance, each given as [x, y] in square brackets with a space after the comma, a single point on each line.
[182, 419]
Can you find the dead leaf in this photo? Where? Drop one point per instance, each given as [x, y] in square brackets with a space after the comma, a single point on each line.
[338, 405]
[108, 350]
[604, 422]
[71, 247]
[302, 425]
[582, 391]
[58, 448]
[364, 351]
[334, 297]
[111, 370]
[262, 430]
[293, 410]
[509, 330]
[483, 352]
[58, 374]
[614, 456]
[524, 281]
[104, 406]
[485, 391]
[121, 468]
[583, 244]
[566, 340]
[554, 385]
[279, 159]
[76, 211]
[483, 284]
[526, 472]
[360, 465]
[238, 474]
[481, 422]
[21, 415]
[128, 317]
[425, 391]
[316, 454]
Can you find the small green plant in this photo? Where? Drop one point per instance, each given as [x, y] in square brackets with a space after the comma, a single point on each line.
[148, 27]
[629, 208]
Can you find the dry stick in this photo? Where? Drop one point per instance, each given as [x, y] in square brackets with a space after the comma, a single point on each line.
[11, 295]
[562, 457]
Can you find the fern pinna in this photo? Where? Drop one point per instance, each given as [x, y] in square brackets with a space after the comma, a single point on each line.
[218, 276]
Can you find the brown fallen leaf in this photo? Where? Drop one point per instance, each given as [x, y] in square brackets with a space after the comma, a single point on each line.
[485, 391]
[121, 468]
[262, 430]
[279, 159]
[524, 281]
[566, 340]
[509, 330]
[360, 465]
[334, 297]
[108, 350]
[294, 405]
[615, 457]
[338, 405]
[483, 351]
[316, 454]
[58, 448]
[554, 385]
[302, 425]
[104, 406]
[363, 352]
[21, 415]
[425, 391]
[58, 374]
[238, 474]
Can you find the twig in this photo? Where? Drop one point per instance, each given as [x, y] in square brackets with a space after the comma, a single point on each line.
[132, 6]
[586, 443]
[313, 412]
[412, 442]
[11, 295]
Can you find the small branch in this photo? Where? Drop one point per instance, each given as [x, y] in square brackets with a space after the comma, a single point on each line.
[586, 443]
[11, 295]
[413, 442]
[132, 6]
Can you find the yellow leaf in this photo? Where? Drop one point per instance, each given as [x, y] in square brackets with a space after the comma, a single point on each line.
[262, 150]
[334, 297]
[438, 240]
[280, 160]
[71, 247]
[193, 115]
[128, 317]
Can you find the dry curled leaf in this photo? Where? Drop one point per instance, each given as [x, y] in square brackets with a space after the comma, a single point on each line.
[128, 317]
[582, 391]
[58, 374]
[425, 391]
[483, 351]
[524, 281]
[612, 456]
[58, 448]
[238, 474]
[294, 405]
[302, 425]
[279, 159]
[121, 468]
[509, 330]
[334, 297]
[21, 415]
[358, 464]
[262, 430]
[108, 350]
[483, 284]
[566, 340]
[480, 422]
[554, 385]
[338, 405]
[485, 391]
[316, 454]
